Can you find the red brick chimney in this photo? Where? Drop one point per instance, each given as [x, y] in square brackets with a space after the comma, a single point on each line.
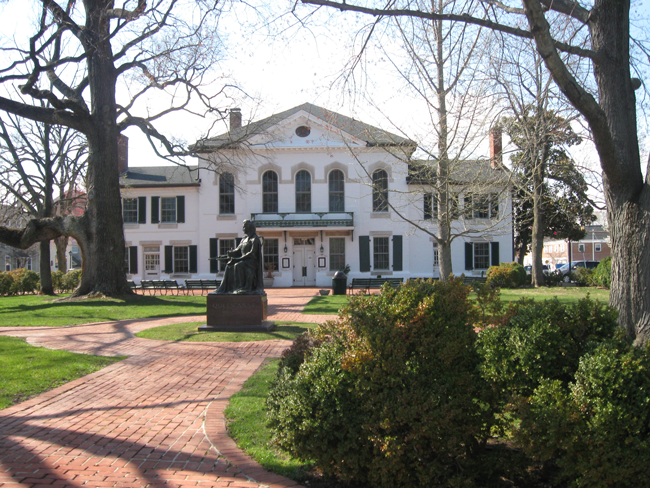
[235, 118]
[122, 154]
[496, 147]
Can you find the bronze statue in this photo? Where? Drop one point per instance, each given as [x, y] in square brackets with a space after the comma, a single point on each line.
[243, 274]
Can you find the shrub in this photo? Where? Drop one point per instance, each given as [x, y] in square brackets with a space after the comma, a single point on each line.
[599, 428]
[582, 276]
[507, 275]
[542, 340]
[23, 281]
[6, 282]
[602, 275]
[553, 279]
[392, 396]
[57, 280]
[71, 280]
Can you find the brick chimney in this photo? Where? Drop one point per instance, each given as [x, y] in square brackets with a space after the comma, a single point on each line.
[122, 154]
[235, 118]
[496, 147]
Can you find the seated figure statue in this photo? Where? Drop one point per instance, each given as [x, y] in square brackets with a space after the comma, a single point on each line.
[243, 274]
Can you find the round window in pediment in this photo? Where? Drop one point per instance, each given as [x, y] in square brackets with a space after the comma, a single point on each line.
[303, 131]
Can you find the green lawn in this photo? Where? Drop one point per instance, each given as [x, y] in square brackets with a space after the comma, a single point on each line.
[35, 310]
[246, 417]
[188, 332]
[332, 304]
[27, 371]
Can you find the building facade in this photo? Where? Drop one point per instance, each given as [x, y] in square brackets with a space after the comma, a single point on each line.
[595, 246]
[325, 192]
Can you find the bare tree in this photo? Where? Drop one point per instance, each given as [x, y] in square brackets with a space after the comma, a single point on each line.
[599, 35]
[73, 61]
[37, 159]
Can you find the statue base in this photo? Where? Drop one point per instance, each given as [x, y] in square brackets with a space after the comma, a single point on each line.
[237, 313]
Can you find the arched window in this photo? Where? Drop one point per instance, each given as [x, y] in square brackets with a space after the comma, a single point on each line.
[380, 191]
[270, 192]
[227, 194]
[337, 191]
[303, 191]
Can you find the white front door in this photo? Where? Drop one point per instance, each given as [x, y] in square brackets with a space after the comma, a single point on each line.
[304, 262]
[151, 266]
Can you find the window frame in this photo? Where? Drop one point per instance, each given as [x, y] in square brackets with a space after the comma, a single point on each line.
[165, 213]
[335, 254]
[336, 195]
[225, 245]
[581, 248]
[176, 260]
[271, 253]
[270, 196]
[487, 256]
[378, 255]
[430, 209]
[7, 263]
[226, 194]
[598, 247]
[380, 191]
[130, 211]
[303, 195]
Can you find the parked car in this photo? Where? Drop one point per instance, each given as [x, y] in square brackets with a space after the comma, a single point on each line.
[546, 269]
[566, 268]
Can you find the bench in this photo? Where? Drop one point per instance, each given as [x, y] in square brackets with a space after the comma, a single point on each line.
[202, 285]
[132, 284]
[474, 280]
[153, 285]
[367, 283]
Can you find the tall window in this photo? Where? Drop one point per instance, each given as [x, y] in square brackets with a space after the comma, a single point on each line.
[380, 191]
[7, 263]
[225, 245]
[481, 206]
[270, 192]
[581, 248]
[130, 210]
[303, 191]
[430, 206]
[227, 194]
[380, 254]
[181, 259]
[337, 191]
[168, 209]
[481, 255]
[271, 254]
[337, 253]
[436, 256]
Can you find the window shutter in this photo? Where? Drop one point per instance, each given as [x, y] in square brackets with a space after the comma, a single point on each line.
[364, 253]
[193, 259]
[469, 255]
[180, 209]
[214, 252]
[133, 260]
[169, 260]
[155, 213]
[494, 253]
[142, 210]
[397, 253]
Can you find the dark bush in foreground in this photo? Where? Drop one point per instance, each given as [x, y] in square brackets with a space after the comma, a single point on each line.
[599, 428]
[542, 340]
[392, 397]
[602, 275]
[582, 276]
[507, 275]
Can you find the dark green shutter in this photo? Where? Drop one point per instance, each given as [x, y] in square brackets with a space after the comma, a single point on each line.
[155, 213]
[214, 252]
[193, 259]
[133, 259]
[495, 253]
[469, 255]
[180, 209]
[142, 210]
[169, 259]
[397, 253]
[364, 253]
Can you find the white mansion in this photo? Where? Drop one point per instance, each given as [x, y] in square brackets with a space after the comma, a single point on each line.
[316, 184]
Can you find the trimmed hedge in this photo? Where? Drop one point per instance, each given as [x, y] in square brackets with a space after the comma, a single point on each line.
[19, 282]
[507, 275]
[392, 396]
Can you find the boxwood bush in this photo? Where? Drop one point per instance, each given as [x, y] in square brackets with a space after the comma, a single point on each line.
[19, 282]
[392, 396]
[602, 275]
[507, 275]
[598, 429]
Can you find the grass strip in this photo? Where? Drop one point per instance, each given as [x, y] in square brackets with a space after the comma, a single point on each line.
[323, 305]
[246, 417]
[188, 332]
[38, 311]
[27, 371]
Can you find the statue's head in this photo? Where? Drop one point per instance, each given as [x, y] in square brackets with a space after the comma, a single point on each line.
[249, 227]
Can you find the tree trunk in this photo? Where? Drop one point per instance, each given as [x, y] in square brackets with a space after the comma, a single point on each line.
[45, 270]
[61, 244]
[538, 224]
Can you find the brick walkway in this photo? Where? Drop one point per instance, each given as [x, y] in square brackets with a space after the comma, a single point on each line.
[154, 419]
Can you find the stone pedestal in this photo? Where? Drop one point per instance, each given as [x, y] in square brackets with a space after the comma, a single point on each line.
[237, 313]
